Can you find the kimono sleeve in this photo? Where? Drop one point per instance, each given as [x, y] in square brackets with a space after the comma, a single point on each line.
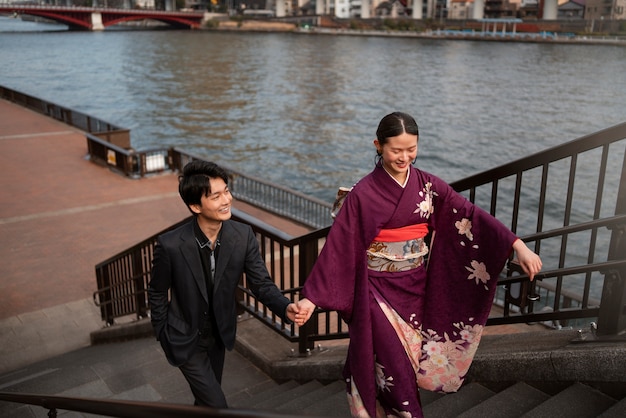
[342, 262]
[468, 253]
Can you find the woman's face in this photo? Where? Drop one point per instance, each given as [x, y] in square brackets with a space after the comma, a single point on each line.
[397, 154]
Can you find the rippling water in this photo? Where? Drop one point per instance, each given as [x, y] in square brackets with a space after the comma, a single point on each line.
[302, 110]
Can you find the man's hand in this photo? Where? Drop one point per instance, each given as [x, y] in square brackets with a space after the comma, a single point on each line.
[292, 311]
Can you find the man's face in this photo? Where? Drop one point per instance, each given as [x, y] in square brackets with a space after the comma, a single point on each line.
[216, 205]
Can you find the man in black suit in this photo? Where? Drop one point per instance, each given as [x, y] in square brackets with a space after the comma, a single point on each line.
[195, 272]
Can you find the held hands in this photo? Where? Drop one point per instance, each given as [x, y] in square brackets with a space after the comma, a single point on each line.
[300, 312]
[528, 260]
[305, 310]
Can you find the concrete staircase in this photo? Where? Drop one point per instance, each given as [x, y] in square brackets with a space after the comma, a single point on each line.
[136, 370]
[520, 399]
[528, 375]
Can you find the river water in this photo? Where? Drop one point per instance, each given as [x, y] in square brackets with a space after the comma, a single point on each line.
[302, 110]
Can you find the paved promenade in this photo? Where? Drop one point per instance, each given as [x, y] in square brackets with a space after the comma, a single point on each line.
[60, 216]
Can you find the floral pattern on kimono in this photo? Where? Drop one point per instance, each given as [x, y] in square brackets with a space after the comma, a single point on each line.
[437, 310]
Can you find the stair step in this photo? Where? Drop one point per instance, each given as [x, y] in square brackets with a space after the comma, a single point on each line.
[512, 402]
[272, 390]
[453, 405]
[276, 401]
[428, 397]
[314, 397]
[616, 411]
[244, 397]
[336, 405]
[577, 401]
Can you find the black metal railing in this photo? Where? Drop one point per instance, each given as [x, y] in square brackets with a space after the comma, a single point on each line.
[568, 202]
[98, 128]
[271, 197]
[575, 195]
[109, 145]
[582, 245]
[129, 409]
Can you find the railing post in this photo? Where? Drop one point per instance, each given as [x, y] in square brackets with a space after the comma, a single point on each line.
[104, 296]
[307, 257]
[140, 290]
[612, 317]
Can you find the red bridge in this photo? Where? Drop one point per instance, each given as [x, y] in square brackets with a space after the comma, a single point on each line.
[88, 18]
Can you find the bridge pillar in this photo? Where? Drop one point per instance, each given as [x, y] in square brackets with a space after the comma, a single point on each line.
[549, 9]
[169, 5]
[96, 21]
[479, 9]
[417, 9]
[127, 4]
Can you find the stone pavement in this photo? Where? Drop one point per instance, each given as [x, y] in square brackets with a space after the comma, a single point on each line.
[60, 216]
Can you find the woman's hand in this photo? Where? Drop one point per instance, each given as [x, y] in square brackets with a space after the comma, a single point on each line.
[305, 310]
[528, 260]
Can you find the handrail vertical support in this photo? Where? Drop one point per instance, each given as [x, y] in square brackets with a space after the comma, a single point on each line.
[612, 316]
[141, 307]
[308, 255]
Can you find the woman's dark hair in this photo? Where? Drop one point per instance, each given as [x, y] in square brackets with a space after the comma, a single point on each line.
[195, 180]
[395, 124]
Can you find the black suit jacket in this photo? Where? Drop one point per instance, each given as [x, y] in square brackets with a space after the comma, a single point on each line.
[177, 269]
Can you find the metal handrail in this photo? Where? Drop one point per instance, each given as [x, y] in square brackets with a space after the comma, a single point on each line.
[130, 409]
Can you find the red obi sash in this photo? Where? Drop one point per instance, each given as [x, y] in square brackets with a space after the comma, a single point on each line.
[402, 234]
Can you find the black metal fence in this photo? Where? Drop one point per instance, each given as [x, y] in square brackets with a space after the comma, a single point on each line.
[568, 202]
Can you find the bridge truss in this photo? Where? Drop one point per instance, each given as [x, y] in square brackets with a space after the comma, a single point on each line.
[89, 18]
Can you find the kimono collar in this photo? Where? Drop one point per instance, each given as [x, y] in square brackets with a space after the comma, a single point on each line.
[406, 180]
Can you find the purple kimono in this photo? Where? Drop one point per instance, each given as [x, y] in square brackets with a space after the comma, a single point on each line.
[415, 314]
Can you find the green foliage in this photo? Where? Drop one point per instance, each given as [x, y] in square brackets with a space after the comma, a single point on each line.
[354, 25]
[405, 25]
[212, 24]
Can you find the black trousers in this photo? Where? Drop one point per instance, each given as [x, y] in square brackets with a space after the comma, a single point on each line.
[203, 372]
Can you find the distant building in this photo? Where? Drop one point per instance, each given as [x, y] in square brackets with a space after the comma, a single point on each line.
[461, 9]
[572, 9]
[501, 8]
[603, 9]
[145, 4]
[528, 8]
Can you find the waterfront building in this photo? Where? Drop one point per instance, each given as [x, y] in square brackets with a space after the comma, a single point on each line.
[605, 10]
[572, 9]
[461, 9]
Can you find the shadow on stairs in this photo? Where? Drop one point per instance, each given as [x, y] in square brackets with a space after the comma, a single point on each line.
[576, 400]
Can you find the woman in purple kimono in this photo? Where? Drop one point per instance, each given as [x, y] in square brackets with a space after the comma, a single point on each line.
[415, 314]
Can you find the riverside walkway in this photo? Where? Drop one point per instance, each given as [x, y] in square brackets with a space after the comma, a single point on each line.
[62, 214]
